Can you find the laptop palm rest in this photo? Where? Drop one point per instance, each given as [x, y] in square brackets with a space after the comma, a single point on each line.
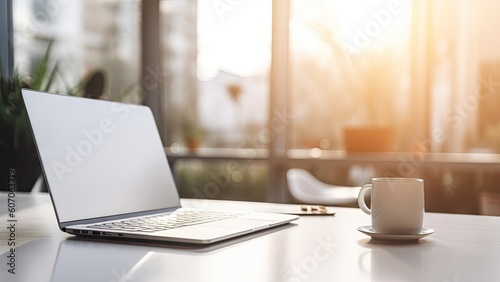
[221, 228]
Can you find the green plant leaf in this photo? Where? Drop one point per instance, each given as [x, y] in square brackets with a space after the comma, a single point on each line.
[41, 71]
[52, 75]
[13, 119]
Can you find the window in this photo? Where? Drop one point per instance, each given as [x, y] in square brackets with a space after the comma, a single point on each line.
[232, 71]
[217, 57]
[464, 76]
[350, 66]
[396, 63]
[87, 36]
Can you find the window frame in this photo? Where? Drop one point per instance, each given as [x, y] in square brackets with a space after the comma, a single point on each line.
[6, 39]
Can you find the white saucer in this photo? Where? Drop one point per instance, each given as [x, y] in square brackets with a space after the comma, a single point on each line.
[394, 237]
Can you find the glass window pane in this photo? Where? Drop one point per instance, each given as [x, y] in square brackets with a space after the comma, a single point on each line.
[88, 37]
[349, 70]
[465, 76]
[217, 56]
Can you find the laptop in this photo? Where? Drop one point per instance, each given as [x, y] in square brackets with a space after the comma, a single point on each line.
[107, 174]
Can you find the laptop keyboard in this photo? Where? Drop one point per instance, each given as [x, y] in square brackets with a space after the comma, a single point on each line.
[166, 221]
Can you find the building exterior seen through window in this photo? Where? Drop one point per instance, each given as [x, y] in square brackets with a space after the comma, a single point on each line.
[217, 60]
[88, 37]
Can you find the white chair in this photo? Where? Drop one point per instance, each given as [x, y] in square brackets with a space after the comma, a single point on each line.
[309, 190]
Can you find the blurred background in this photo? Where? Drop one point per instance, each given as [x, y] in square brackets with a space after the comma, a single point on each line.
[244, 90]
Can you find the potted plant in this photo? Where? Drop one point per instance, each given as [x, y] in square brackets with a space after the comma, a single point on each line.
[16, 142]
[374, 87]
[192, 135]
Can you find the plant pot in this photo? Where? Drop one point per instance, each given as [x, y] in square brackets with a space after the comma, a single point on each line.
[193, 145]
[369, 138]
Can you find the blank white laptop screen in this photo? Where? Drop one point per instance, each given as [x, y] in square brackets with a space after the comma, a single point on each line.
[117, 144]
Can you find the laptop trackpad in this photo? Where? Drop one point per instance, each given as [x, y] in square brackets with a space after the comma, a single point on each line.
[210, 231]
[239, 223]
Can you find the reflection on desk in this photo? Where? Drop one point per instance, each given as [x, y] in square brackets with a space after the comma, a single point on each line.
[317, 248]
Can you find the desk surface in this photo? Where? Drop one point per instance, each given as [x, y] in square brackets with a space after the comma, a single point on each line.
[314, 248]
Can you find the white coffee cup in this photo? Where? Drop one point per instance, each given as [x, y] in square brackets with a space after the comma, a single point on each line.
[397, 204]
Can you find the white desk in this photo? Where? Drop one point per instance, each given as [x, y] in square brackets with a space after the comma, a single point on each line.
[315, 248]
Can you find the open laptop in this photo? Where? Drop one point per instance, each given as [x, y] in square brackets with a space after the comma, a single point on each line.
[107, 174]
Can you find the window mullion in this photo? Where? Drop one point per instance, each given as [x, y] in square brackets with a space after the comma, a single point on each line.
[278, 123]
[6, 46]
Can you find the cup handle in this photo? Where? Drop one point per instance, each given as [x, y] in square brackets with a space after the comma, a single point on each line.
[361, 198]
